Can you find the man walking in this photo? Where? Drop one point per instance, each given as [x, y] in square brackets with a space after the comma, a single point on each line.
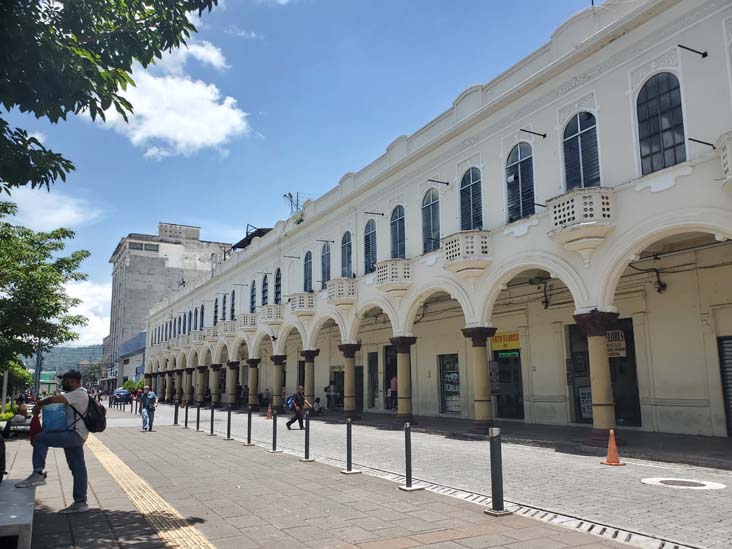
[148, 401]
[298, 403]
[71, 440]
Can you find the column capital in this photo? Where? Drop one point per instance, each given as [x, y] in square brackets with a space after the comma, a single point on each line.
[596, 323]
[349, 349]
[171, 373]
[402, 343]
[232, 364]
[190, 370]
[215, 367]
[279, 360]
[310, 354]
[201, 369]
[179, 371]
[253, 362]
[479, 335]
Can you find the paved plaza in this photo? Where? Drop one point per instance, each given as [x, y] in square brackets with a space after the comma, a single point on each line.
[192, 490]
[574, 485]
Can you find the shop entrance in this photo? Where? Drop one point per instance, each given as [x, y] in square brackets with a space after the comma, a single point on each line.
[725, 363]
[621, 353]
[510, 397]
[449, 384]
[373, 364]
[339, 381]
[390, 370]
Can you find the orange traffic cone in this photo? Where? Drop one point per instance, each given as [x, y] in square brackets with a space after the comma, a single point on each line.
[612, 451]
[269, 415]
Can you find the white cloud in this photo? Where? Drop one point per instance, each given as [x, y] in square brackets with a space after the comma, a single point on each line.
[96, 300]
[233, 30]
[41, 210]
[38, 135]
[175, 114]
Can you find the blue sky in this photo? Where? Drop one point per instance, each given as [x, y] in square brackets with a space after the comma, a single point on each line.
[272, 96]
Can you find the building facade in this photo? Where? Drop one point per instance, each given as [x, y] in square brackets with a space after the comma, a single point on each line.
[554, 248]
[146, 268]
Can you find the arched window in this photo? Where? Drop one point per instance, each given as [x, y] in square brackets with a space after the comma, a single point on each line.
[184, 323]
[200, 322]
[165, 332]
[346, 269]
[223, 307]
[369, 247]
[520, 182]
[430, 221]
[308, 272]
[265, 290]
[581, 161]
[471, 202]
[232, 316]
[195, 318]
[278, 287]
[398, 247]
[190, 321]
[324, 265]
[660, 123]
[253, 297]
[216, 311]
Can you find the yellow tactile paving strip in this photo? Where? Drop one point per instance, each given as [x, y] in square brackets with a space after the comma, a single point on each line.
[168, 522]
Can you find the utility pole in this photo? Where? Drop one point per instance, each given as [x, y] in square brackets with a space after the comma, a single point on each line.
[39, 367]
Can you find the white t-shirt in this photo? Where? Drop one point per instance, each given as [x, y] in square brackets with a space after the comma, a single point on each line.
[79, 398]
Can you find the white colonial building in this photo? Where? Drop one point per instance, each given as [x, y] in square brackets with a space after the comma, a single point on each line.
[554, 248]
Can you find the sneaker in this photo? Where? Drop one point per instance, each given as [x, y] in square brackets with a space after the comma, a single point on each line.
[143, 430]
[36, 479]
[288, 427]
[76, 507]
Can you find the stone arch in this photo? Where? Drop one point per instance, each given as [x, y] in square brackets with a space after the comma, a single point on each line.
[192, 360]
[221, 353]
[235, 348]
[181, 362]
[259, 341]
[284, 332]
[414, 299]
[207, 354]
[374, 303]
[156, 366]
[557, 267]
[715, 221]
[317, 323]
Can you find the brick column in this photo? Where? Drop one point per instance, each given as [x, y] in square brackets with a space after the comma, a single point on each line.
[232, 371]
[200, 381]
[253, 381]
[213, 384]
[349, 378]
[482, 399]
[596, 324]
[309, 357]
[279, 364]
[188, 385]
[404, 376]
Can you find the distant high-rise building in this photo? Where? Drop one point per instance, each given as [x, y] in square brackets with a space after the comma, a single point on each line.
[60, 359]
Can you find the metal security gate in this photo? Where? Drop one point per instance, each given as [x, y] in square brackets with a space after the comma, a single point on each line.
[725, 363]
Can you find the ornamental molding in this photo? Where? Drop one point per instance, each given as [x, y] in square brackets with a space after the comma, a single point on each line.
[667, 60]
[469, 142]
[663, 181]
[396, 201]
[520, 228]
[510, 141]
[463, 165]
[346, 228]
[584, 103]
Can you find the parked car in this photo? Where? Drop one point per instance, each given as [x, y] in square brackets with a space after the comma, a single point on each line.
[122, 395]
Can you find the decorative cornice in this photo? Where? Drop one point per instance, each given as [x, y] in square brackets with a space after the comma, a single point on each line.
[279, 360]
[349, 349]
[584, 103]
[668, 59]
[310, 354]
[596, 323]
[402, 344]
[479, 335]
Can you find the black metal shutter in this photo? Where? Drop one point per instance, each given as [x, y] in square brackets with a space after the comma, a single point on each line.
[725, 363]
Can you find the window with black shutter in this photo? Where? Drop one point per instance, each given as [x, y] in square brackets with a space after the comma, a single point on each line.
[265, 290]
[325, 265]
[660, 123]
[200, 321]
[184, 323]
[581, 162]
[471, 205]
[195, 318]
[369, 247]
[216, 311]
[346, 269]
[253, 297]
[278, 287]
[431, 221]
[190, 321]
[398, 247]
[223, 307]
[520, 182]
[308, 272]
[233, 306]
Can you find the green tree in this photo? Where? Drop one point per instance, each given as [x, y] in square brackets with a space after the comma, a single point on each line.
[19, 378]
[73, 56]
[34, 306]
[91, 374]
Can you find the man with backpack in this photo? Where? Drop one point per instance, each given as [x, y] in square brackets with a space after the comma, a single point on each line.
[83, 415]
[297, 403]
[148, 401]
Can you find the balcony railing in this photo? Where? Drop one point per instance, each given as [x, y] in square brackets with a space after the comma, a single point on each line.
[196, 336]
[246, 322]
[394, 276]
[467, 253]
[210, 332]
[581, 218]
[342, 291]
[271, 314]
[184, 340]
[302, 304]
[228, 327]
[724, 144]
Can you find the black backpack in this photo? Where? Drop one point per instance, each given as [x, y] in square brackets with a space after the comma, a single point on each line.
[95, 418]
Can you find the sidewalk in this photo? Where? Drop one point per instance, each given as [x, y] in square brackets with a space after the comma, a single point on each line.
[715, 452]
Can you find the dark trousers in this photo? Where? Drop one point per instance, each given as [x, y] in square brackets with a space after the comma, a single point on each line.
[297, 417]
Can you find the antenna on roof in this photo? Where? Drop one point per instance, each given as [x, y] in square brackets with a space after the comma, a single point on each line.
[293, 201]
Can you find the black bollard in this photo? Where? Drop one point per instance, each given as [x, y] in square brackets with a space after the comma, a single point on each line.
[249, 427]
[497, 508]
[349, 461]
[274, 449]
[198, 416]
[307, 458]
[228, 424]
[175, 413]
[408, 460]
[185, 417]
[211, 433]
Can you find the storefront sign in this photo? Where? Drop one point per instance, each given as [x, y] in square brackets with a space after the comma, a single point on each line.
[616, 343]
[504, 341]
